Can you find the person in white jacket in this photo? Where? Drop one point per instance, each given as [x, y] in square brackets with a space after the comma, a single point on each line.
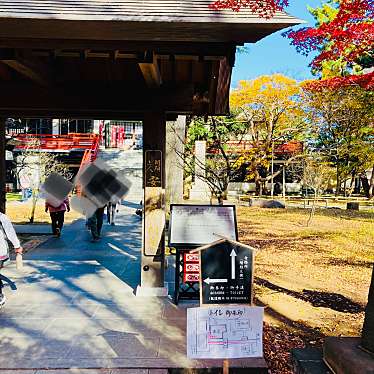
[7, 233]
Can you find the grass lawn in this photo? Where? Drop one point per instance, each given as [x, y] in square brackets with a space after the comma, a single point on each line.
[313, 281]
[19, 212]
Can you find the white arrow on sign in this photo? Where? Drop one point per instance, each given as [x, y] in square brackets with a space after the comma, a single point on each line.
[233, 255]
[208, 280]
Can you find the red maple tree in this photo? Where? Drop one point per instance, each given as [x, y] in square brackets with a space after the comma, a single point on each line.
[349, 36]
[265, 8]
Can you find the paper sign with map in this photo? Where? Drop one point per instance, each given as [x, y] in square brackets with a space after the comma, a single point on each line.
[224, 332]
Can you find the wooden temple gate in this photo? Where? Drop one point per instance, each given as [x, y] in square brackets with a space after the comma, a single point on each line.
[139, 60]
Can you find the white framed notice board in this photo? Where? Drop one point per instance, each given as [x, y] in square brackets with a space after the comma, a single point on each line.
[195, 225]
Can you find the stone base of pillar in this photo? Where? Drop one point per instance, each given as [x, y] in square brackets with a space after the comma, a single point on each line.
[343, 355]
[151, 291]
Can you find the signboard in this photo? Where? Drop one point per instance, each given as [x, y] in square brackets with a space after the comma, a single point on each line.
[226, 273]
[153, 168]
[191, 267]
[195, 225]
[224, 332]
[154, 215]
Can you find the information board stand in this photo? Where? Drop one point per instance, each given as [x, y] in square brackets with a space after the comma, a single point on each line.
[184, 289]
[190, 227]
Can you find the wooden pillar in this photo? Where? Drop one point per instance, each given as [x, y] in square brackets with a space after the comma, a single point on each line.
[368, 328]
[2, 165]
[153, 247]
[175, 136]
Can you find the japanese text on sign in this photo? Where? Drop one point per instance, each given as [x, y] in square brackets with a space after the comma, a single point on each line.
[226, 273]
[224, 332]
[153, 169]
[191, 267]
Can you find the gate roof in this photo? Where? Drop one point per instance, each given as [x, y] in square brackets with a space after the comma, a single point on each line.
[121, 58]
[166, 20]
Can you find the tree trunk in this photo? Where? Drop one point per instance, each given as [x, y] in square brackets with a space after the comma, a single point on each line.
[368, 328]
[368, 185]
[337, 192]
[365, 185]
[313, 210]
[34, 200]
[371, 185]
[220, 199]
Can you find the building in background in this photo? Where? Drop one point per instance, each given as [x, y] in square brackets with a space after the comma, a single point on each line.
[72, 141]
[123, 134]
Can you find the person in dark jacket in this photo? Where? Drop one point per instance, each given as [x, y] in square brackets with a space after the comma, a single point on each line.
[95, 223]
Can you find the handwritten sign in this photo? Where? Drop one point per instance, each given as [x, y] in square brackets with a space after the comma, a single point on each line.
[194, 225]
[224, 332]
[154, 215]
[153, 169]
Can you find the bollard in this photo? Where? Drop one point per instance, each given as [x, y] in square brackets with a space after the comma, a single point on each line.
[353, 206]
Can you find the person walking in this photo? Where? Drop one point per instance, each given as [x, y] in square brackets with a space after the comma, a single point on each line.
[7, 233]
[111, 211]
[57, 215]
[95, 223]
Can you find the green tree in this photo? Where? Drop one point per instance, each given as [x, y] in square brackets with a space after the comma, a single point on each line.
[35, 166]
[342, 124]
[221, 163]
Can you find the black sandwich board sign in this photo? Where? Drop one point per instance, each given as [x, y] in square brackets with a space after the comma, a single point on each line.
[226, 273]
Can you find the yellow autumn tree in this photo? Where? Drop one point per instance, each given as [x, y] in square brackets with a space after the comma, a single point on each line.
[271, 107]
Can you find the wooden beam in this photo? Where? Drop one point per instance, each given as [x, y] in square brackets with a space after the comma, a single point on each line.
[150, 71]
[91, 100]
[222, 96]
[26, 66]
[213, 85]
[161, 48]
[29, 70]
[143, 30]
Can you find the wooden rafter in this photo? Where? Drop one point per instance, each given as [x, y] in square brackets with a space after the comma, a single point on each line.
[151, 71]
[29, 67]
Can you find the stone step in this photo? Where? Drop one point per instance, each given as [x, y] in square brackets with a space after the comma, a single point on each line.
[308, 361]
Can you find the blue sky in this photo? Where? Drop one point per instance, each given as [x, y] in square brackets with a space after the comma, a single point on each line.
[274, 54]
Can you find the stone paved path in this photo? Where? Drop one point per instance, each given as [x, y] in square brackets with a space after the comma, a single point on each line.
[73, 306]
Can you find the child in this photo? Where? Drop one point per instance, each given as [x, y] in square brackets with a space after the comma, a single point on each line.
[6, 233]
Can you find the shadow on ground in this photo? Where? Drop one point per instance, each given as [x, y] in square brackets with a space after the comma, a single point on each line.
[330, 300]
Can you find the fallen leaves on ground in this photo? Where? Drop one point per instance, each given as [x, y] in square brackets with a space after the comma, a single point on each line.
[277, 348]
